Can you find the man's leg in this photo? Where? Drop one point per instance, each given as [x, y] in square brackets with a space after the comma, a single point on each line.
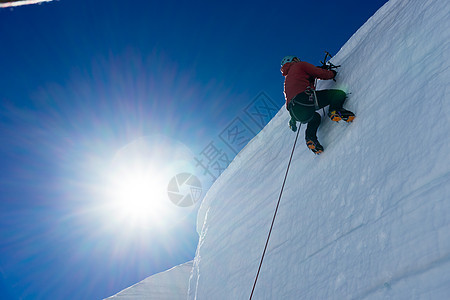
[311, 134]
[334, 98]
[313, 125]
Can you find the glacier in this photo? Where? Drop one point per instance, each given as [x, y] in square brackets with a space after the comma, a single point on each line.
[368, 218]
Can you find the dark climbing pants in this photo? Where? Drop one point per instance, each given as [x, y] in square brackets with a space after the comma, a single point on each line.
[302, 107]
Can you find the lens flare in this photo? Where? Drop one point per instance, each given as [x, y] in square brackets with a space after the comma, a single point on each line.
[13, 3]
[138, 180]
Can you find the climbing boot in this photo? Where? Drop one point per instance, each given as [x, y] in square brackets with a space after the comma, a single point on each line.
[341, 114]
[314, 145]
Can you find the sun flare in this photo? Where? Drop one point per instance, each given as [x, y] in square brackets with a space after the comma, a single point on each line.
[140, 184]
[138, 196]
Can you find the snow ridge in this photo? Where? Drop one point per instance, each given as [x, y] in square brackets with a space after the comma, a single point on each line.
[170, 285]
[367, 219]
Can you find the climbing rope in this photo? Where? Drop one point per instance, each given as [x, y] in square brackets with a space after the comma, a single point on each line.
[275, 214]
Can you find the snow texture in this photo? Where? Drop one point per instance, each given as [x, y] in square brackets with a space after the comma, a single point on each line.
[168, 285]
[367, 219]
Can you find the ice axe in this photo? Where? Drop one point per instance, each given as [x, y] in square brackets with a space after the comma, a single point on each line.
[327, 65]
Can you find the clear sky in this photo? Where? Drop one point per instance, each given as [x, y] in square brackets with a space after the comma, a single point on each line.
[81, 82]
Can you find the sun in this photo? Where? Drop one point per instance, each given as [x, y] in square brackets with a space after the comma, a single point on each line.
[138, 185]
[137, 194]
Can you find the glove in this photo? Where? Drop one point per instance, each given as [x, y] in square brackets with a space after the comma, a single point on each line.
[293, 125]
[326, 67]
[334, 72]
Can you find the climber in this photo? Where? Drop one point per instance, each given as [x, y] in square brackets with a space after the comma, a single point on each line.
[302, 100]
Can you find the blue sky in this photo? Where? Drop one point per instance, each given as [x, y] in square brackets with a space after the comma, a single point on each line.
[80, 80]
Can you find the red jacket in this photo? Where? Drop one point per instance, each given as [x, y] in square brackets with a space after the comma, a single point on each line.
[299, 76]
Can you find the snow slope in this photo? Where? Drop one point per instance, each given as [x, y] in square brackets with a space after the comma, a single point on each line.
[370, 217]
[170, 285]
